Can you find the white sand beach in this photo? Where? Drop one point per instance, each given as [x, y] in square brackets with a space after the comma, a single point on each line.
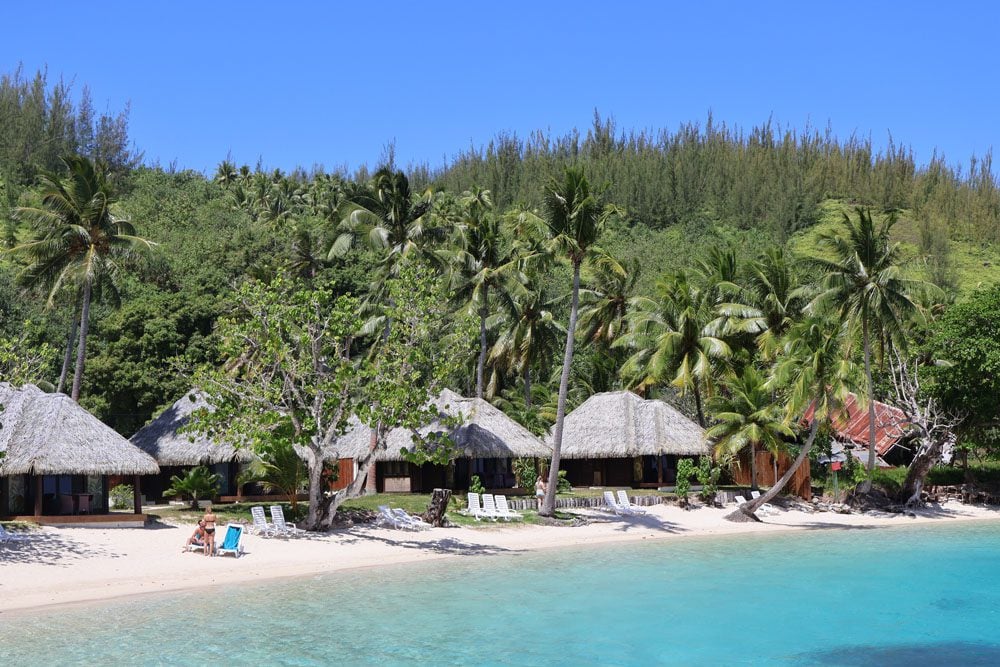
[58, 566]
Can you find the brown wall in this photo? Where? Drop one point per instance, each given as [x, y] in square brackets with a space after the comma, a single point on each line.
[799, 485]
[345, 474]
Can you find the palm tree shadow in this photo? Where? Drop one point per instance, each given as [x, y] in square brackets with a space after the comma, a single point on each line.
[446, 546]
[46, 548]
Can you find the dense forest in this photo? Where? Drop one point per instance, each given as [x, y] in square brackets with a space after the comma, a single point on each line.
[706, 236]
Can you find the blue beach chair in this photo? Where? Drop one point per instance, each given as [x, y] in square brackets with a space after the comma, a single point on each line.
[233, 542]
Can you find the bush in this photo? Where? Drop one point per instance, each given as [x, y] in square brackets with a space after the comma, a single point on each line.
[476, 485]
[563, 486]
[199, 482]
[685, 469]
[708, 477]
[121, 497]
[524, 473]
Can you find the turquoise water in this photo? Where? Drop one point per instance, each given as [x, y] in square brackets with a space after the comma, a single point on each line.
[899, 596]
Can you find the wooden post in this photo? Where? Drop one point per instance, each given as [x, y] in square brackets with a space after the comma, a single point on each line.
[38, 495]
[136, 496]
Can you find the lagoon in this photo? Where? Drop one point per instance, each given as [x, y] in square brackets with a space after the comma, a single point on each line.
[879, 596]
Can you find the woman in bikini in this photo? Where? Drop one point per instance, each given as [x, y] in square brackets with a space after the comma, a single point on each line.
[209, 520]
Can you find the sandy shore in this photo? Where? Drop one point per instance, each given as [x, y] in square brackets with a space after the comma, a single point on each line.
[59, 566]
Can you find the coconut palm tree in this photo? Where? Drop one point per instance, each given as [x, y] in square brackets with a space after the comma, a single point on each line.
[80, 243]
[528, 336]
[574, 217]
[766, 303]
[812, 370]
[672, 339]
[487, 267]
[747, 417]
[605, 303]
[863, 283]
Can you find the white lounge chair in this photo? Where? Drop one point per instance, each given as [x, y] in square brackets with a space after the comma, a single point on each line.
[410, 521]
[614, 505]
[503, 509]
[260, 525]
[283, 528]
[625, 502]
[232, 541]
[740, 500]
[474, 509]
[10, 537]
[766, 508]
[490, 507]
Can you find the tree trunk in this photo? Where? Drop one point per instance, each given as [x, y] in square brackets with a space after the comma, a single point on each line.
[927, 456]
[81, 351]
[439, 505]
[866, 486]
[745, 512]
[527, 385]
[697, 404]
[68, 356]
[753, 466]
[549, 502]
[323, 509]
[481, 365]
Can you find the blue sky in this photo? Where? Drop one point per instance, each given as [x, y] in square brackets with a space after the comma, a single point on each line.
[304, 84]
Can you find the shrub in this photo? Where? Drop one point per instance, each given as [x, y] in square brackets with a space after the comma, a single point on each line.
[563, 486]
[708, 477]
[121, 497]
[685, 469]
[524, 473]
[475, 485]
[199, 482]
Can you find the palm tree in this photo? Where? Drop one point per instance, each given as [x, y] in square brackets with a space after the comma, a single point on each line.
[605, 304]
[672, 339]
[863, 283]
[574, 217]
[811, 370]
[767, 303]
[80, 243]
[529, 335]
[226, 174]
[487, 266]
[747, 417]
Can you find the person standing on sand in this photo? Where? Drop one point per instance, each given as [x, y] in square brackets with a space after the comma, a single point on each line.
[209, 520]
[541, 486]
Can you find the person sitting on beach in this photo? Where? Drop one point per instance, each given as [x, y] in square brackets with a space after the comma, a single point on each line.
[209, 520]
[198, 537]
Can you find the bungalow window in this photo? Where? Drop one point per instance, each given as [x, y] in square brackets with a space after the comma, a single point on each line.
[397, 469]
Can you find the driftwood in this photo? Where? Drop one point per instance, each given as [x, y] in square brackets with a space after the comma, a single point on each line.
[439, 505]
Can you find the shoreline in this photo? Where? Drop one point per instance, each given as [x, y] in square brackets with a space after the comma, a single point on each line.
[69, 567]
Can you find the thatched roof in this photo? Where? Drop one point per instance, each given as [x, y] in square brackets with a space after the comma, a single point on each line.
[162, 439]
[49, 434]
[622, 425]
[486, 432]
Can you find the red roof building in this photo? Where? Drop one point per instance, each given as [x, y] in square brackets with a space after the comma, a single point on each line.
[850, 424]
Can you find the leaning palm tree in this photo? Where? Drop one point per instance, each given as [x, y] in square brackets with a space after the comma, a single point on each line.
[487, 270]
[574, 217]
[672, 339]
[747, 418]
[864, 285]
[812, 370]
[79, 241]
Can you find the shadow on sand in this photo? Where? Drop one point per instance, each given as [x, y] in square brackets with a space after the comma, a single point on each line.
[49, 549]
[444, 546]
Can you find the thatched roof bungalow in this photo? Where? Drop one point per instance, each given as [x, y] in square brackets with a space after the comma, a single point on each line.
[603, 438]
[48, 439]
[487, 440]
[164, 440]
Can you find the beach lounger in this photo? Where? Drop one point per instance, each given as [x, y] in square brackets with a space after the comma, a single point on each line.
[232, 543]
[625, 502]
[766, 508]
[490, 507]
[504, 511]
[260, 525]
[410, 521]
[740, 500]
[474, 509]
[387, 516]
[10, 537]
[615, 506]
[283, 528]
